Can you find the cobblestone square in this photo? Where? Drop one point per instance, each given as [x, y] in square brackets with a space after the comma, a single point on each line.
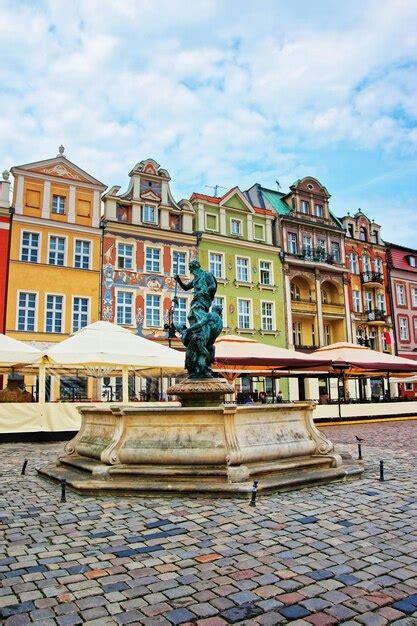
[343, 553]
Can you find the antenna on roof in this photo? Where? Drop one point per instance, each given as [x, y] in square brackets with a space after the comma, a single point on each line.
[278, 185]
[215, 188]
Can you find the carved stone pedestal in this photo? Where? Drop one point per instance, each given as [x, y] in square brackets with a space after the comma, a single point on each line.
[202, 391]
[199, 449]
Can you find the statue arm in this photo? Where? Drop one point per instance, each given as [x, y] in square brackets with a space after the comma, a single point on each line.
[185, 286]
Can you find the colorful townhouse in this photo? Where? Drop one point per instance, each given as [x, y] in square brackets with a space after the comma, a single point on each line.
[368, 282]
[55, 252]
[148, 239]
[311, 239]
[4, 243]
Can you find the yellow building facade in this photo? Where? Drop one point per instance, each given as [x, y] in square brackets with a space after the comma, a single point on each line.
[55, 251]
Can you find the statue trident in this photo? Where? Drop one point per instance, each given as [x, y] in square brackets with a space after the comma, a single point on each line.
[204, 325]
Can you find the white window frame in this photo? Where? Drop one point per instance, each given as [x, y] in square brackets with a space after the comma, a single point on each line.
[240, 224]
[35, 321]
[398, 287]
[378, 267]
[305, 204]
[74, 297]
[90, 256]
[321, 213]
[273, 316]
[50, 235]
[380, 299]
[161, 316]
[292, 241]
[404, 336]
[356, 301]
[133, 246]
[271, 272]
[413, 296]
[353, 266]
[31, 232]
[182, 299]
[262, 226]
[176, 251]
[224, 309]
[335, 245]
[58, 195]
[222, 255]
[154, 208]
[369, 301]
[366, 264]
[243, 258]
[116, 293]
[160, 261]
[54, 295]
[216, 229]
[238, 300]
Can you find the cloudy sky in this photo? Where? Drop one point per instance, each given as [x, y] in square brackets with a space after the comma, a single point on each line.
[226, 92]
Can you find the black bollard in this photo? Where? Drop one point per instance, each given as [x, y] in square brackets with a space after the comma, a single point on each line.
[381, 470]
[254, 490]
[63, 488]
[359, 451]
[25, 462]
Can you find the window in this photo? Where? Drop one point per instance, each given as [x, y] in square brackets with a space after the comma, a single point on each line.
[58, 204]
[319, 210]
[403, 328]
[149, 214]
[414, 296]
[54, 313]
[267, 315]
[153, 310]
[350, 230]
[26, 311]
[297, 333]
[356, 298]
[82, 254]
[363, 235]
[220, 301]
[313, 335]
[30, 247]
[375, 236]
[412, 261]
[324, 296]
[56, 250]
[307, 248]
[211, 221]
[265, 272]
[236, 227]
[353, 262]
[380, 302]
[179, 263]
[321, 244]
[368, 301]
[244, 314]
[327, 334]
[295, 292]
[292, 243]
[180, 313]
[400, 295]
[216, 264]
[366, 264]
[124, 306]
[378, 265]
[259, 232]
[80, 313]
[304, 206]
[153, 260]
[242, 269]
[336, 251]
[125, 256]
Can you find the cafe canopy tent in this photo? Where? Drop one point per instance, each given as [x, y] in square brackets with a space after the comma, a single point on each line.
[14, 353]
[103, 349]
[235, 355]
[354, 359]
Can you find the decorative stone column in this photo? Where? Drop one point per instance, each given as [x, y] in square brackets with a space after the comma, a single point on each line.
[319, 309]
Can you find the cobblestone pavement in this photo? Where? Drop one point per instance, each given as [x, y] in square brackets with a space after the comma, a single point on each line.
[336, 554]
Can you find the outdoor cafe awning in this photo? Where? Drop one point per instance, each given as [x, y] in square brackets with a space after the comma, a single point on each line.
[354, 359]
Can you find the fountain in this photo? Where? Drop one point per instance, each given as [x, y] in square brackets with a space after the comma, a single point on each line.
[204, 445]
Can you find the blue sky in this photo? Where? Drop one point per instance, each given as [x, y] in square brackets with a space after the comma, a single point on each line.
[221, 92]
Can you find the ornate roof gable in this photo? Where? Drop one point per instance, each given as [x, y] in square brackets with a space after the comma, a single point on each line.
[59, 167]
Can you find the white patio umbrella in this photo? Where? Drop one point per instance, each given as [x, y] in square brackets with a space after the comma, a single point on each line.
[14, 353]
[102, 348]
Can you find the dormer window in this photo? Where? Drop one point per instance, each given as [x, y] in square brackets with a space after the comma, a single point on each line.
[149, 214]
[363, 235]
[305, 206]
[350, 230]
[412, 261]
[375, 236]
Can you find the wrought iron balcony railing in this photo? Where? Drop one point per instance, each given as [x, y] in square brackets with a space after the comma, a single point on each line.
[376, 315]
[372, 277]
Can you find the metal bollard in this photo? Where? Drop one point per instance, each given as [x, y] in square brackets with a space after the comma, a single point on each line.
[381, 470]
[63, 490]
[254, 490]
[359, 452]
[25, 462]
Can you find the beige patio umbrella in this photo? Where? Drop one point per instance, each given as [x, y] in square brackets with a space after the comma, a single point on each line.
[354, 359]
[103, 348]
[14, 353]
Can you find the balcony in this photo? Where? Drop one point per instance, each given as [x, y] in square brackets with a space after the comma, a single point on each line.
[303, 306]
[372, 279]
[376, 316]
[333, 309]
[317, 255]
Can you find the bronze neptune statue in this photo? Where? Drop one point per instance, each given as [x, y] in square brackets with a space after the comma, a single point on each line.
[205, 325]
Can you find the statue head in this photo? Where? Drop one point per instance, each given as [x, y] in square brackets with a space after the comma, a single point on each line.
[194, 266]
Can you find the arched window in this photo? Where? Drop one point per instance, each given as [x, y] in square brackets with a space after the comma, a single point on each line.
[363, 235]
[366, 264]
[353, 261]
[324, 296]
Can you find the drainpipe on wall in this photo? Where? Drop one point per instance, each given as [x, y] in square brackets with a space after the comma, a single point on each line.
[6, 287]
[103, 225]
[391, 301]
